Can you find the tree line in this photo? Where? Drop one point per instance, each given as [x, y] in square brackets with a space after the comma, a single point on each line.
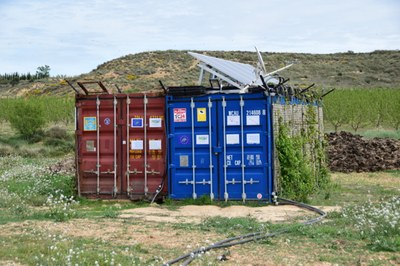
[14, 78]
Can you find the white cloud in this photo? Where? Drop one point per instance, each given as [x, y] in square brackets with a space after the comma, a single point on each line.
[75, 37]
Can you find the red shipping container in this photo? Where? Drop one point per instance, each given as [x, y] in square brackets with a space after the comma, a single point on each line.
[120, 145]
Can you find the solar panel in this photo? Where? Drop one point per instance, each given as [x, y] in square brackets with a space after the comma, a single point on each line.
[237, 74]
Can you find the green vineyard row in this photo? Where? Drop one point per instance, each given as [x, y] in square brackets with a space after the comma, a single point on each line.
[345, 108]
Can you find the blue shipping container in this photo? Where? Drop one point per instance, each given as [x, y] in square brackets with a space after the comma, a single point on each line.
[220, 145]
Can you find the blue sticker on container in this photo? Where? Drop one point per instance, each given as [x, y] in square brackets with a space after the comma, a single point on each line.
[184, 139]
[89, 123]
[137, 122]
[107, 121]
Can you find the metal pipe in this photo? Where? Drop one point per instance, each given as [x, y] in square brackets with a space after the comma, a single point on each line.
[98, 144]
[270, 142]
[201, 75]
[242, 136]
[323, 95]
[115, 146]
[210, 146]
[306, 89]
[118, 89]
[69, 83]
[128, 166]
[193, 154]
[226, 195]
[146, 189]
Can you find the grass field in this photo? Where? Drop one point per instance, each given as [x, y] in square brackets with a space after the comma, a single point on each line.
[41, 223]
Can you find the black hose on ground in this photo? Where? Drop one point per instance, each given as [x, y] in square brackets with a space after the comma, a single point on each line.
[238, 240]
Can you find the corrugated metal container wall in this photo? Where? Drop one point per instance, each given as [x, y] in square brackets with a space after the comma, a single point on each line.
[220, 145]
[120, 145]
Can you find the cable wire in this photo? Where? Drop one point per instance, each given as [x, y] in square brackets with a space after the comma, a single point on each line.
[242, 239]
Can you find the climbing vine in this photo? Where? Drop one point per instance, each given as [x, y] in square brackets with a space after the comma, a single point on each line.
[302, 159]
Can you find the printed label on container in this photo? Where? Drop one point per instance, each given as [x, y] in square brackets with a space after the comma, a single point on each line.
[90, 145]
[183, 160]
[137, 122]
[201, 115]
[136, 144]
[233, 120]
[253, 120]
[155, 144]
[179, 114]
[202, 139]
[253, 138]
[89, 123]
[232, 139]
[155, 122]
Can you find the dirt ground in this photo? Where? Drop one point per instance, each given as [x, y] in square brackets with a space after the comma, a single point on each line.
[196, 214]
[157, 229]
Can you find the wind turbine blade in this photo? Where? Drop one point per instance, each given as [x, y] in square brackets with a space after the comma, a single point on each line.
[276, 71]
[260, 60]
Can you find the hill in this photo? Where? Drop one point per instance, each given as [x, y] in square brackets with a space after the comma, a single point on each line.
[142, 71]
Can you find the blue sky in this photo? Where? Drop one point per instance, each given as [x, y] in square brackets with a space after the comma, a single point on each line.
[74, 37]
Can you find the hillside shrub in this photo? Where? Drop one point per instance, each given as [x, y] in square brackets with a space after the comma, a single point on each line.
[28, 119]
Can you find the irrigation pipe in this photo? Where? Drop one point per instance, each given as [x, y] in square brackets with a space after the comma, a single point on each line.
[238, 240]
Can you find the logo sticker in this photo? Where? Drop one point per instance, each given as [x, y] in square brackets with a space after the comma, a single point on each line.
[89, 123]
[137, 122]
[107, 121]
[201, 115]
[184, 139]
[179, 114]
[259, 196]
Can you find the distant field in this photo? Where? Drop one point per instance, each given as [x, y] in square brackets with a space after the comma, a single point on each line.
[363, 109]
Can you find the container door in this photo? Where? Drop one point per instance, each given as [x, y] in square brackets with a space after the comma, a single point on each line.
[146, 145]
[98, 146]
[192, 141]
[245, 136]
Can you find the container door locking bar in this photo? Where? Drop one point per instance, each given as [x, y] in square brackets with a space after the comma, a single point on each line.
[98, 144]
[115, 190]
[226, 195]
[242, 140]
[210, 147]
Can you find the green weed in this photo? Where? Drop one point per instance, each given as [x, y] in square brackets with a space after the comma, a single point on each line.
[235, 225]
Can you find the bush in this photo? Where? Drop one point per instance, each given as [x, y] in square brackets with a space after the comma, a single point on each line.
[28, 119]
[57, 133]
